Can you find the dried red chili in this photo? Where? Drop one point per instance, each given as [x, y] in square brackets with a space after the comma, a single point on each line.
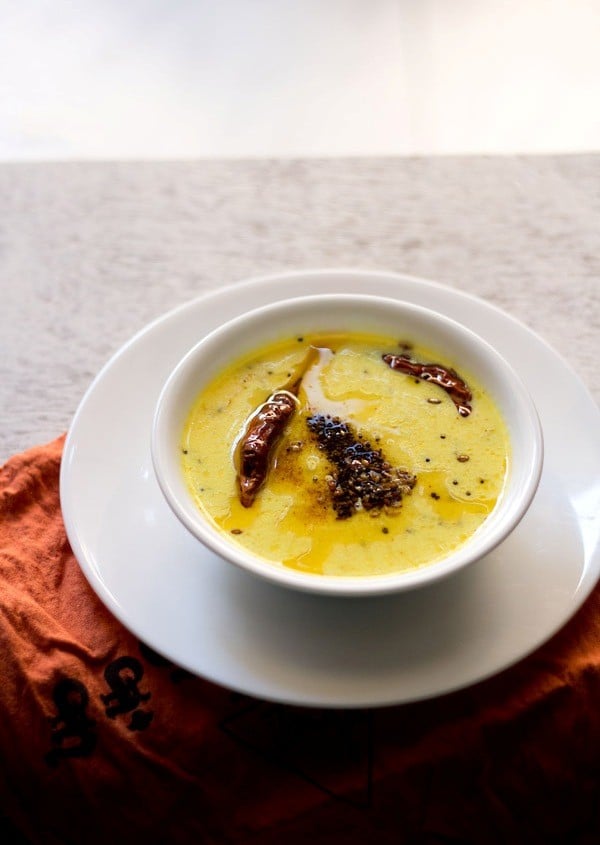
[256, 446]
[446, 378]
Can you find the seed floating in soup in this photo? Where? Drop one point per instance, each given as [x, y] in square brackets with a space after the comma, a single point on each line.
[317, 454]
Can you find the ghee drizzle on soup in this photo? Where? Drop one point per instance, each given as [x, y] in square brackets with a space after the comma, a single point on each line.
[458, 463]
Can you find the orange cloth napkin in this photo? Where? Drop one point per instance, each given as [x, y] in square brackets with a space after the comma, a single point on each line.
[102, 740]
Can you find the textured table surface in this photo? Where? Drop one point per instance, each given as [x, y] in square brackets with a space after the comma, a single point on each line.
[90, 253]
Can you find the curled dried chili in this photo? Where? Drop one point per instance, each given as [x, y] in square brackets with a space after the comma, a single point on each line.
[256, 445]
[444, 377]
[263, 430]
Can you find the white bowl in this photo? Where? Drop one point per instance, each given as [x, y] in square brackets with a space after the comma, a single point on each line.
[344, 312]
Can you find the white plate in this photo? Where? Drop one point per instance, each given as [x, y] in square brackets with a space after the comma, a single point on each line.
[266, 641]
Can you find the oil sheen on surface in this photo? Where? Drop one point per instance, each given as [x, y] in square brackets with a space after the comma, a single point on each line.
[460, 462]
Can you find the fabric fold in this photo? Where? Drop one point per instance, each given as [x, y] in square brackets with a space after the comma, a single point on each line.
[102, 739]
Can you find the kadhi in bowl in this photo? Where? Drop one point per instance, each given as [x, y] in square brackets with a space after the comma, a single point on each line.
[347, 444]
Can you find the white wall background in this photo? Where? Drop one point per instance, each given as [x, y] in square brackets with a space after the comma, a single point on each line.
[188, 78]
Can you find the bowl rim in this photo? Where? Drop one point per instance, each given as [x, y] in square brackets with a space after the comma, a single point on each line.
[339, 585]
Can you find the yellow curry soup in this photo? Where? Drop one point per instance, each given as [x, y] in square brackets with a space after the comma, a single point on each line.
[458, 464]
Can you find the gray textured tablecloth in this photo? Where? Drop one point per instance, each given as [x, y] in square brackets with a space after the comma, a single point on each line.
[89, 253]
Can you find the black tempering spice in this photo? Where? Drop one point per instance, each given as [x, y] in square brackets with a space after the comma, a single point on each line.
[363, 478]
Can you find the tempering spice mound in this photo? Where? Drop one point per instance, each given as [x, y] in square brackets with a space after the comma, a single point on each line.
[363, 477]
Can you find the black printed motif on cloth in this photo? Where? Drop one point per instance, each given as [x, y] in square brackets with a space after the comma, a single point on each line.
[73, 733]
[123, 676]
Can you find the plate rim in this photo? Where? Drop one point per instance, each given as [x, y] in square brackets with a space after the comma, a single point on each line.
[110, 601]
